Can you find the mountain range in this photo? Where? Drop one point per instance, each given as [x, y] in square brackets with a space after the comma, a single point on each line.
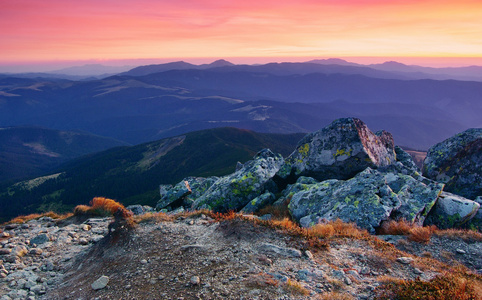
[140, 106]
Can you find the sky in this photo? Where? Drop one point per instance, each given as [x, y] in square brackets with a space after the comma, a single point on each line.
[437, 32]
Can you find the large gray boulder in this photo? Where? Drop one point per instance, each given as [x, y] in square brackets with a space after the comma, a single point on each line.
[185, 192]
[457, 162]
[233, 192]
[452, 211]
[476, 222]
[338, 151]
[367, 199]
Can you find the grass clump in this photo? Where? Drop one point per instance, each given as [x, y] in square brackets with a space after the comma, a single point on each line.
[295, 288]
[102, 207]
[467, 235]
[443, 287]
[51, 214]
[413, 231]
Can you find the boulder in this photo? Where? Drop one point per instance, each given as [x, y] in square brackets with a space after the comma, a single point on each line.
[40, 239]
[258, 203]
[457, 162]
[185, 192]
[338, 151]
[476, 222]
[452, 211]
[367, 199]
[235, 191]
[136, 209]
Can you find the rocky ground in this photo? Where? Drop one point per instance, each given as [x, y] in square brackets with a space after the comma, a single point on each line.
[197, 257]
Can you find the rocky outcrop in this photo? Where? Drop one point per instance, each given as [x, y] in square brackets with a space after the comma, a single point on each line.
[235, 191]
[367, 199]
[338, 151]
[452, 211]
[258, 203]
[185, 192]
[457, 162]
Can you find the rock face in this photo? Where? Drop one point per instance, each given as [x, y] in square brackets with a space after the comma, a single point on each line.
[338, 151]
[452, 211]
[457, 162]
[367, 199]
[185, 192]
[235, 191]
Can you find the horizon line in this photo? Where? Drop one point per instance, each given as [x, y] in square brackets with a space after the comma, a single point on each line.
[54, 65]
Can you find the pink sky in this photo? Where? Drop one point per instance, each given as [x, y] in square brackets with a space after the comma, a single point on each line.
[103, 30]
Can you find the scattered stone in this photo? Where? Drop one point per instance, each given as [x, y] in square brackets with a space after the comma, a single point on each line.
[405, 260]
[460, 251]
[309, 254]
[417, 271]
[143, 261]
[40, 239]
[285, 251]
[5, 251]
[100, 283]
[83, 241]
[195, 280]
[4, 234]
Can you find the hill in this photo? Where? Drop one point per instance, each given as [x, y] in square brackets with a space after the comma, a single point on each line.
[32, 151]
[138, 109]
[133, 174]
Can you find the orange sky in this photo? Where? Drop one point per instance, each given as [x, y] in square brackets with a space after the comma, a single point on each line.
[53, 30]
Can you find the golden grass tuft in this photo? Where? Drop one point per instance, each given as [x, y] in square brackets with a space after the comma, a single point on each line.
[401, 227]
[421, 234]
[414, 232]
[153, 218]
[51, 214]
[295, 288]
[447, 286]
[335, 296]
[464, 234]
[101, 206]
[261, 280]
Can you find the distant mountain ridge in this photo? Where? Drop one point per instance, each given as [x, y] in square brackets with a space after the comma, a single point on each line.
[267, 98]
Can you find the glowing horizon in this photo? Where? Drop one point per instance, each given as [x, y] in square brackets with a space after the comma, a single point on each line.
[408, 31]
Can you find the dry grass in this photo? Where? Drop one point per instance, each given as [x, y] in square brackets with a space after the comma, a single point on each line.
[261, 280]
[335, 296]
[100, 206]
[469, 236]
[51, 214]
[421, 234]
[447, 286]
[153, 218]
[401, 227]
[295, 288]
[414, 232]
[278, 212]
